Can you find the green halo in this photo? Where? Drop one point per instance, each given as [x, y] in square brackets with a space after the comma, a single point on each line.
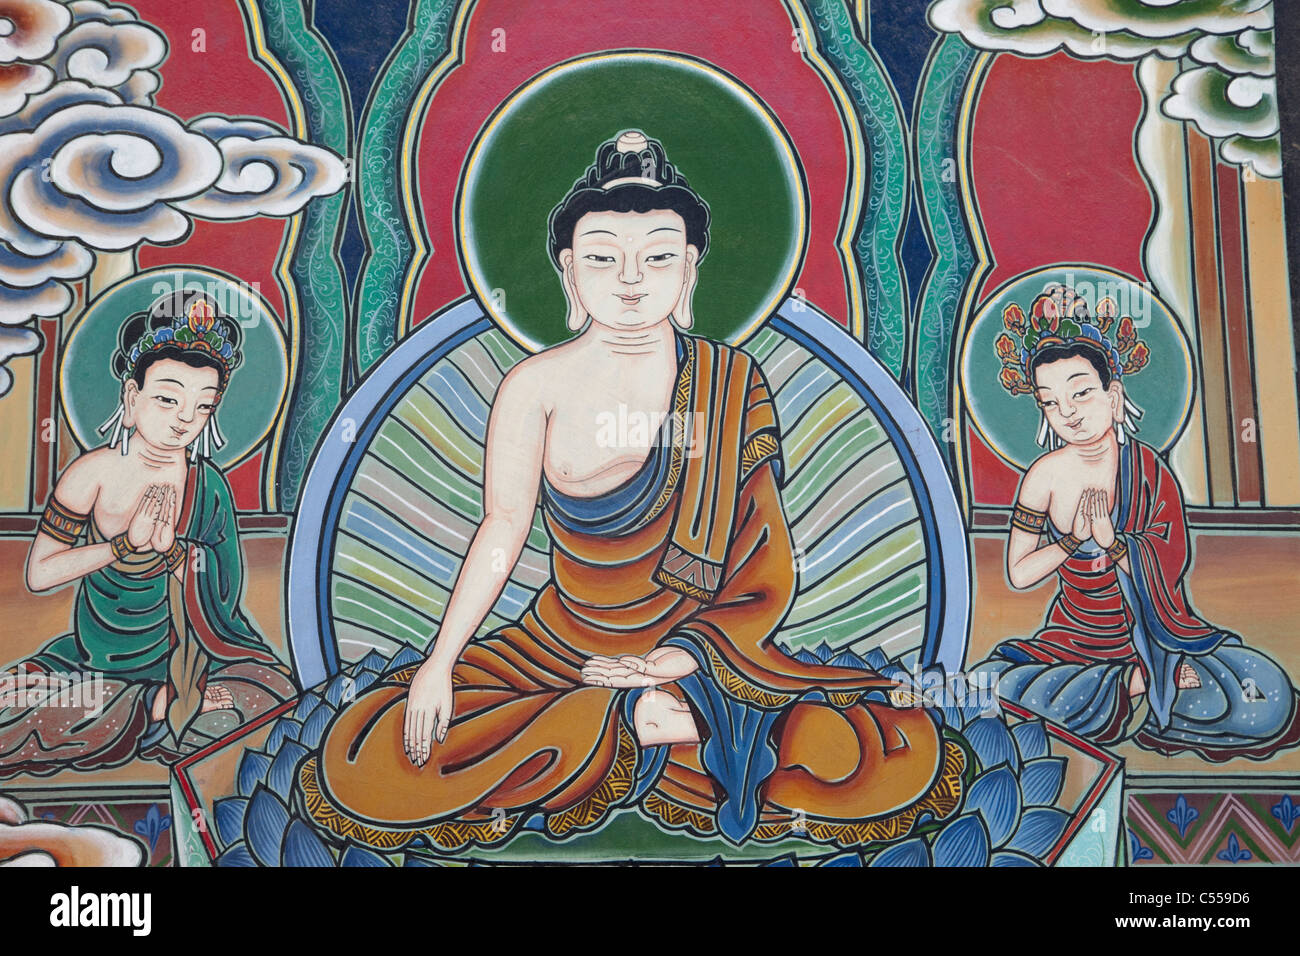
[256, 390]
[725, 142]
[1163, 389]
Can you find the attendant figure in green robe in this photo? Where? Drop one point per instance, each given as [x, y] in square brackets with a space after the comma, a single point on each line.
[162, 658]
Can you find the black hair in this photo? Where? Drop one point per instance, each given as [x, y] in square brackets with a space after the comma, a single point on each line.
[589, 194]
[161, 315]
[1076, 349]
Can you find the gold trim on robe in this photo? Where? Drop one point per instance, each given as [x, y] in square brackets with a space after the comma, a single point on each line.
[711, 563]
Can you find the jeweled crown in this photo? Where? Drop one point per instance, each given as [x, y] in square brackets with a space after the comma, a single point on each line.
[1060, 316]
[198, 329]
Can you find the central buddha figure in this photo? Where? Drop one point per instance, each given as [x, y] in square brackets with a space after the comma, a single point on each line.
[645, 672]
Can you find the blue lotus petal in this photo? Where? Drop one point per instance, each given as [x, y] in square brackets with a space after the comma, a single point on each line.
[363, 680]
[1011, 858]
[805, 656]
[996, 796]
[286, 728]
[823, 652]
[963, 842]
[252, 771]
[894, 672]
[302, 847]
[236, 855]
[356, 855]
[536, 822]
[787, 860]
[909, 660]
[952, 716]
[993, 743]
[374, 662]
[1041, 781]
[338, 687]
[306, 704]
[844, 859]
[229, 817]
[1039, 829]
[314, 728]
[265, 821]
[847, 658]
[405, 657]
[913, 852]
[876, 659]
[284, 769]
[413, 860]
[1031, 739]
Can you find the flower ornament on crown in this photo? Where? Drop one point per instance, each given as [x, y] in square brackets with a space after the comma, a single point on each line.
[1060, 316]
[198, 329]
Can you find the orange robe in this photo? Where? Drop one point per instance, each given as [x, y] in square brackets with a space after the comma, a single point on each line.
[709, 566]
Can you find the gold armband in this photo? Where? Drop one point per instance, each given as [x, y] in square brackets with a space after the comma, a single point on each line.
[1118, 550]
[61, 523]
[1026, 519]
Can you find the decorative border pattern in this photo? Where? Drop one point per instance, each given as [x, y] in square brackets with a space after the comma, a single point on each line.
[950, 70]
[310, 269]
[383, 197]
[880, 230]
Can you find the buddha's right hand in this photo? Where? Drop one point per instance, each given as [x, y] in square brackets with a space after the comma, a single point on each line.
[428, 711]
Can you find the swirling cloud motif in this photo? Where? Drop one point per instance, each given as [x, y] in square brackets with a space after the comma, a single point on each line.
[1230, 95]
[14, 342]
[103, 175]
[1025, 27]
[1165, 18]
[87, 163]
[19, 81]
[28, 28]
[108, 47]
[1250, 51]
[266, 172]
[41, 106]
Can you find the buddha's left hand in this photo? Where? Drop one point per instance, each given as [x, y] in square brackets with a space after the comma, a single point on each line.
[661, 666]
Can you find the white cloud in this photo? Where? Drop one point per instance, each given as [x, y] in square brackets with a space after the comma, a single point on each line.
[29, 32]
[266, 172]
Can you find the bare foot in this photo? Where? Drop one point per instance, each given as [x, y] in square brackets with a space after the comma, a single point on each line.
[217, 698]
[660, 718]
[160, 703]
[1187, 678]
[1137, 686]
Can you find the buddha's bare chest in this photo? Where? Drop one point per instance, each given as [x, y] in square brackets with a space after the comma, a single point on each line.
[594, 446]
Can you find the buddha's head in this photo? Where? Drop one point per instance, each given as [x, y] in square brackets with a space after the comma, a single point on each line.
[174, 362]
[1081, 399]
[628, 239]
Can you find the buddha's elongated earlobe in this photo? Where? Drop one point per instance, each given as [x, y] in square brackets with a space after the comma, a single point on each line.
[577, 316]
[682, 315]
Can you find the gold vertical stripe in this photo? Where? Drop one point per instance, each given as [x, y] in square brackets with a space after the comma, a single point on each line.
[1214, 369]
[1167, 258]
[18, 425]
[1274, 345]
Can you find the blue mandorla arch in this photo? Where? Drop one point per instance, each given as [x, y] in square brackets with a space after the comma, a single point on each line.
[870, 504]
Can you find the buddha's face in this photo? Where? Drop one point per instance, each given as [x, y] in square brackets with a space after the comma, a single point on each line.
[628, 269]
[1070, 393]
[175, 402]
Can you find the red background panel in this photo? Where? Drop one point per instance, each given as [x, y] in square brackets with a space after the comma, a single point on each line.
[1056, 180]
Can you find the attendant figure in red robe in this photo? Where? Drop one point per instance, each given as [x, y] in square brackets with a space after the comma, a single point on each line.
[1123, 654]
